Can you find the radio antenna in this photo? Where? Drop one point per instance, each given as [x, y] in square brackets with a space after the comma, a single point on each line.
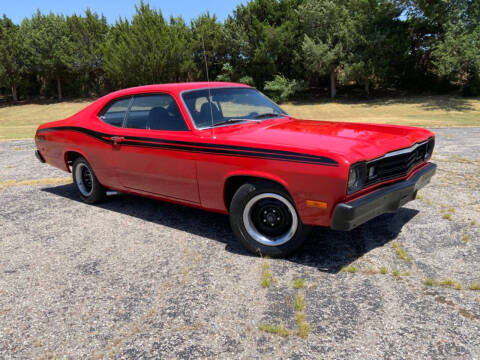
[209, 92]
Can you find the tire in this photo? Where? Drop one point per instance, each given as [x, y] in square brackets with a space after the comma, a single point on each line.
[86, 183]
[264, 219]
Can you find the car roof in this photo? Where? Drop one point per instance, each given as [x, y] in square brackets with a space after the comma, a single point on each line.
[174, 87]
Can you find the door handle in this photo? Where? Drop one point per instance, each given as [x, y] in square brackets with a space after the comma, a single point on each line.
[117, 139]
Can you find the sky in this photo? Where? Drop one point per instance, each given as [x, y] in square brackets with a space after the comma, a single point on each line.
[113, 9]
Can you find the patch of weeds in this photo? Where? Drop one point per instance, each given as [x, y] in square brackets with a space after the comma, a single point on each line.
[429, 282]
[419, 197]
[298, 283]
[401, 253]
[466, 238]
[267, 278]
[475, 286]
[472, 222]
[383, 270]
[450, 283]
[351, 269]
[299, 303]
[396, 273]
[406, 273]
[429, 202]
[274, 329]
[303, 327]
[448, 213]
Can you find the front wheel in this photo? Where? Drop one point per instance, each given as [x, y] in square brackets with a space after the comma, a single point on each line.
[265, 221]
[86, 183]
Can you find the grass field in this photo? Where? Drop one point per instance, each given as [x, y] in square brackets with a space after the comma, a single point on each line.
[20, 121]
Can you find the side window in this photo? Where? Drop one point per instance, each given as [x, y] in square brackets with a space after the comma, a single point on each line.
[114, 113]
[155, 112]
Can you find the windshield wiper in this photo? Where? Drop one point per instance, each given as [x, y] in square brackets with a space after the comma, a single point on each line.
[230, 121]
[267, 115]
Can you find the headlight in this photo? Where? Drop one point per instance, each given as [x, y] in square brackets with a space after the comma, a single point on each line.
[356, 177]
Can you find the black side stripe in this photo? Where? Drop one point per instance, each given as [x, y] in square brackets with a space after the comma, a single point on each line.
[219, 149]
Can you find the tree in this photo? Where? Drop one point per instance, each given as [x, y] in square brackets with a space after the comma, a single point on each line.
[208, 35]
[88, 34]
[12, 62]
[263, 36]
[48, 47]
[457, 53]
[378, 27]
[148, 50]
[329, 40]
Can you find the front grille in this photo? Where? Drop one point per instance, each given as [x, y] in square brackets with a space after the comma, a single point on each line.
[398, 163]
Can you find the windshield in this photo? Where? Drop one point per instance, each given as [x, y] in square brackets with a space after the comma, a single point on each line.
[229, 105]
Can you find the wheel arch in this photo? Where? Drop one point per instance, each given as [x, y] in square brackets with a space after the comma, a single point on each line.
[233, 182]
[71, 155]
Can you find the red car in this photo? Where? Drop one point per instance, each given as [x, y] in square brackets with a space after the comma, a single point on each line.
[225, 147]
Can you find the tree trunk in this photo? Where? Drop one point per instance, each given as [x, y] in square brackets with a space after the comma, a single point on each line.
[367, 88]
[59, 88]
[14, 92]
[333, 83]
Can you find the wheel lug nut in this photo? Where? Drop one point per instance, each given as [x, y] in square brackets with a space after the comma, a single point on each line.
[278, 219]
[264, 220]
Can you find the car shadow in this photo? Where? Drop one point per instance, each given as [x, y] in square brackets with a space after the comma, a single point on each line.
[326, 250]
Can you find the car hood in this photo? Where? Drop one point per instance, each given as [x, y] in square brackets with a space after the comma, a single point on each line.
[351, 142]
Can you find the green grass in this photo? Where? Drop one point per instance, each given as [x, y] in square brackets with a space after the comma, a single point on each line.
[424, 111]
[267, 278]
[475, 286]
[298, 283]
[303, 328]
[383, 270]
[450, 283]
[351, 269]
[299, 303]
[466, 238]
[429, 282]
[396, 273]
[274, 329]
[21, 121]
[401, 253]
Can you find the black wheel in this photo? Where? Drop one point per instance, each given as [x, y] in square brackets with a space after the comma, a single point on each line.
[86, 183]
[264, 219]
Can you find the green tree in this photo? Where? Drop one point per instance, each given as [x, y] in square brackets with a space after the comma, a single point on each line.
[329, 42]
[12, 64]
[48, 47]
[457, 53]
[263, 36]
[88, 34]
[208, 34]
[378, 27]
[148, 50]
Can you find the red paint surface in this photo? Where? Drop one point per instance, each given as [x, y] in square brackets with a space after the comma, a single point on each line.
[198, 179]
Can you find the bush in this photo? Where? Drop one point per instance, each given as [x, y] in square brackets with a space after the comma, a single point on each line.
[226, 74]
[472, 87]
[248, 80]
[281, 88]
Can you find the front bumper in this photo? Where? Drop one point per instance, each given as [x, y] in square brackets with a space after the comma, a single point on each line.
[347, 216]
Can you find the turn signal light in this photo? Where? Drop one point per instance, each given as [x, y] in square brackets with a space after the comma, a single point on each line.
[318, 204]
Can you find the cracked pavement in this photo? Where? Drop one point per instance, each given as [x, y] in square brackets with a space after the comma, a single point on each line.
[138, 278]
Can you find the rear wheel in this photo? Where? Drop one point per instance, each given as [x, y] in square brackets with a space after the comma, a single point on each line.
[265, 221]
[86, 183]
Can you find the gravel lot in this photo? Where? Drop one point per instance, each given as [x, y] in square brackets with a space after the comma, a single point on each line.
[137, 278]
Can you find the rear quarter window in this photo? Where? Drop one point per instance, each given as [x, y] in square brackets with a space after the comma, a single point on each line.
[115, 112]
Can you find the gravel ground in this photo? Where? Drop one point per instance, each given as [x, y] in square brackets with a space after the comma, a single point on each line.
[137, 278]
